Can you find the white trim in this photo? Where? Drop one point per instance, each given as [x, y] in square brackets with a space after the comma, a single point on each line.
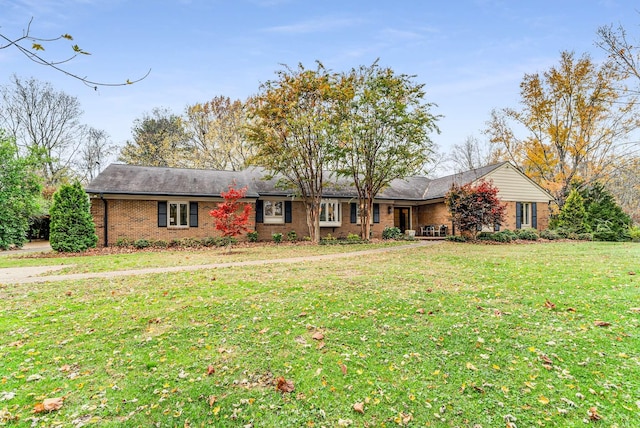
[176, 222]
[332, 213]
[273, 218]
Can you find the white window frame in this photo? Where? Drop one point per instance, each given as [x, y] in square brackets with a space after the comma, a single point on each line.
[325, 209]
[525, 220]
[178, 204]
[273, 218]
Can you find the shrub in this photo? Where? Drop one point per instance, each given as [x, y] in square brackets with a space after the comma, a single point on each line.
[503, 236]
[474, 206]
[604, 216]
[123, 242]
[587, 236]
[527, 234]
[252, 236]
[391, 233]
[292, 236]
[634, 233]
[142, 243]
[352, 237]
[551, 235]
[277, 237]
[209, 241]
[226, 241]
[160, 243]
[456, 238]
[72, 228]
[190, 242]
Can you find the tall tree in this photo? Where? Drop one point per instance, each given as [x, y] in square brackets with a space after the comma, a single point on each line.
[624, 183]
[385, 133]
[37, 48]
[159, 139]
[19, 193]
[576, 123]
[94, 153]
[624, 54]
[45, 123]
[232, 216]
[295, 123]
[471, 154]
[216, 134]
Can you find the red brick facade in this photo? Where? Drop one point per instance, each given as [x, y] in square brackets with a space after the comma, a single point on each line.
[132, 219]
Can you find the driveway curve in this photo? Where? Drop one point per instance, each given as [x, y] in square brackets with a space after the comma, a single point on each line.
[28, 275]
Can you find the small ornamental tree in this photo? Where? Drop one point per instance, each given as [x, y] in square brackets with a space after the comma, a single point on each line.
[72, 228]
[573, 215]
[232, 216]
[474, 206]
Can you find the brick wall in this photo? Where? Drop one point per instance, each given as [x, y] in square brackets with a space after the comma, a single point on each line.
[138, 219]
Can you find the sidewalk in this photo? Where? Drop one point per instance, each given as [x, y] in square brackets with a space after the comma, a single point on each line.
[28, 275]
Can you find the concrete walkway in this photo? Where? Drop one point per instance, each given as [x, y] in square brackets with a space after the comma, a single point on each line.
[28, 275]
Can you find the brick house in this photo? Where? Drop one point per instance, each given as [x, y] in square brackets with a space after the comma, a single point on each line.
[134, 202]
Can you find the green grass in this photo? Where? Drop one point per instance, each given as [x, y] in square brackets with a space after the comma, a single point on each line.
[444, 335]
[185, 257]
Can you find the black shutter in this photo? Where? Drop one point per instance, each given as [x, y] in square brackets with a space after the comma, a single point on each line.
[496, 227]
[518, 215]
[259, 211]
[354, 213]
[287, 212]
[193, 214]
[376, 213]
[162, 214]
[534, 215]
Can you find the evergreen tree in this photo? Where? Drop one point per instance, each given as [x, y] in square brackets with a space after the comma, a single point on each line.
[72, 227]
[19, 192]
[604, 216]
[573, 216]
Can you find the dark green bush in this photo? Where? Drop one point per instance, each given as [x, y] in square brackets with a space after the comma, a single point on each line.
[502, 236]
[72, 228]
[252, 236]
[124, 242]
[634, 233]
[142, 243]
[277, 237]
[527, 234]
[587, 236]
[292, 236]
[392, 233]
[160, 243]
[551, 235]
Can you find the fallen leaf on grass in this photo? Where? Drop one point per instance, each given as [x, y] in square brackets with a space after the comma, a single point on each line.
[593, 414]
[317, 335]
[210, 370]
[571, 309]
[212, 400]
[471, 367]
[602, 323]
[420, 311]
[49, 405]
[284, 385]
[632, 273]
[636, 310]
[320, 345]
[549, 304]
[343, 368]
[359, 407]
[544, 400]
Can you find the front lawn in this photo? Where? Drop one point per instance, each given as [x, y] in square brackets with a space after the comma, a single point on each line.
[445, 335]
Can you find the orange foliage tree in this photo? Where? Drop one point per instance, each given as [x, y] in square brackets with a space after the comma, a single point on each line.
[232, 216]
[574, 125]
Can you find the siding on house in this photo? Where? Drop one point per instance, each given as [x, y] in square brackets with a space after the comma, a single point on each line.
[514, 186]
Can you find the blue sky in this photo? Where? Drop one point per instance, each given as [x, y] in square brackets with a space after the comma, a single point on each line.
[470, 54]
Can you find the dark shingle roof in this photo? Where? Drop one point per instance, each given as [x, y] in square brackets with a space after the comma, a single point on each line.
[161, 181]
[440, 186]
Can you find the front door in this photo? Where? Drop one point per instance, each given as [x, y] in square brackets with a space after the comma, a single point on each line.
[401, 218]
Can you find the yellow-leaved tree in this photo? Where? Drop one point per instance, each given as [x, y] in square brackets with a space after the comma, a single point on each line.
[575, 123]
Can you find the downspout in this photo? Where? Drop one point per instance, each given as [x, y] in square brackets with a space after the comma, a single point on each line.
[105, 220]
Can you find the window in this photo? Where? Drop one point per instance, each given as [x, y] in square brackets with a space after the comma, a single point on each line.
[178, 214]
[330, 213]
[273, 211]
[526, 215]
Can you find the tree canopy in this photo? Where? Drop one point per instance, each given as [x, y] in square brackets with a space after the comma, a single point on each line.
[475, 206]
[72, 227]
[573, 125]
[19, 192]
[295, 123]
[384, 134]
